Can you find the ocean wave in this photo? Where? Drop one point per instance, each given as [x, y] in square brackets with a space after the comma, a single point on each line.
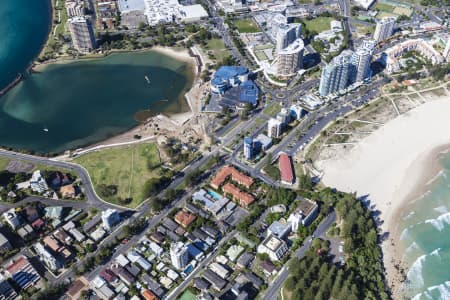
[443, 289]
[404, 234]
[441, 173]
[411, 248]
[415, 272]
[409, 215]
[435, 252]
[439, 222]
[441, 209]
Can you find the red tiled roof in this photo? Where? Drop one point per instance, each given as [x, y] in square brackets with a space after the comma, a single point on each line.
[108, 275]
[38, 223]
[244, 198]
[236, 175]
[17, 265]
[76, 287]
[148, 295]
[285, 165]
[52, 243]
[184, 218]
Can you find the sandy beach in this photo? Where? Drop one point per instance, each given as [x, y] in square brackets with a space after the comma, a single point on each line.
[392, 167]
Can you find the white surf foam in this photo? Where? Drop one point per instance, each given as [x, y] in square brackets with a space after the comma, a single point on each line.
[409, 215]
[415, 272]
[441, 173]
[411, 248]
[440, 222]
[441, 209]
[404, 234]
[444, 292]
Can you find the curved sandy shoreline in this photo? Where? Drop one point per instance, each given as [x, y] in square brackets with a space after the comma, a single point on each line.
[169, 119]
[392, 167]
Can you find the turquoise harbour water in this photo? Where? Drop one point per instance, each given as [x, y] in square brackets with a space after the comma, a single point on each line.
[425, 240]
[68, 106]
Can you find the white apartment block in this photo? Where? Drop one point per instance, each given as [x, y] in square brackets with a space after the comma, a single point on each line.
[274, 128]
[274, 247]
[393, 54]
[289, 59]
[384, 29]
[82, 34]
[74, 8]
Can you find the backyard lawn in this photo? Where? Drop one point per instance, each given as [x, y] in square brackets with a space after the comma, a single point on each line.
[246, 26]
[187, 295]
[127, 168]
[318, 24]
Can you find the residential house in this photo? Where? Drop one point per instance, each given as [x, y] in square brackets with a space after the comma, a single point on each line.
[54, 212]
[38, 183]
[135, 257]
[12, 218]
[108, 275]
[62, 236]
[219, 269]
[56, 247]
[169, 224]
[122, 260]
[244, 260]
[31, 213]
[123, 274]
[76, 288]
[26, 232]
[268, 268]
[38, 224]
[68, 191]
[157, 237]
[184, 218]
[5, 245]
[234, 251]
[217, 283]
[148, 295]
[7, 292]
[98, 234]
[22, 272]
[201, 284]
[152, 285]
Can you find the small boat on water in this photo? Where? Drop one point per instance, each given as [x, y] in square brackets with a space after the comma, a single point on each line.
[147, 79]
[164, 100]
[45, 129]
